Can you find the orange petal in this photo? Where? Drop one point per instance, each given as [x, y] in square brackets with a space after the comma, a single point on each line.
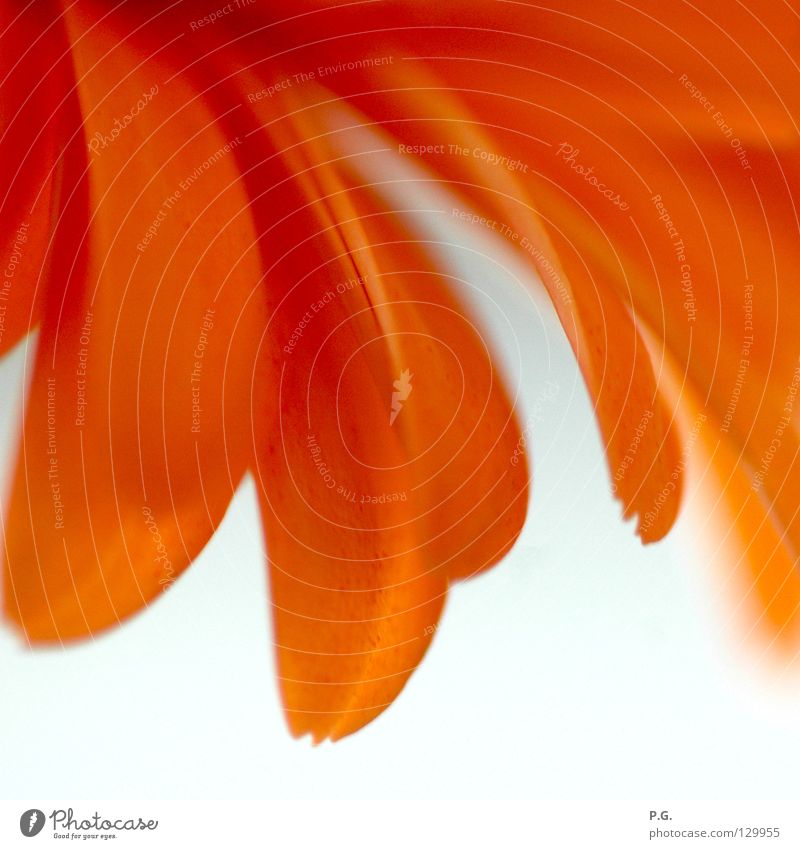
[136, 432]
[758, 568]
[384, 437]
[464, 427]
[653, 158]
[552, 236]
[39, 129]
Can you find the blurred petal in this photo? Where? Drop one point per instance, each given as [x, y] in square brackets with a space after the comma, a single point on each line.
[39, 130]
[134, 439]
[759, 572]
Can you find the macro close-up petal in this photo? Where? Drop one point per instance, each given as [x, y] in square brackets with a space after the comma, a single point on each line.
[245, 250]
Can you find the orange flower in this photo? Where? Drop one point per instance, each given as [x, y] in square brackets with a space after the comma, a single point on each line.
[199, 216]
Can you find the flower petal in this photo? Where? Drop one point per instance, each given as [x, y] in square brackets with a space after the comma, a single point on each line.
[39, 129]
[758, 570]
[466, 131]
[380, 488]
[135, 436]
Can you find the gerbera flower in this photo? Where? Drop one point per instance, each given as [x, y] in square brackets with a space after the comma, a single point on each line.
[203, 216]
